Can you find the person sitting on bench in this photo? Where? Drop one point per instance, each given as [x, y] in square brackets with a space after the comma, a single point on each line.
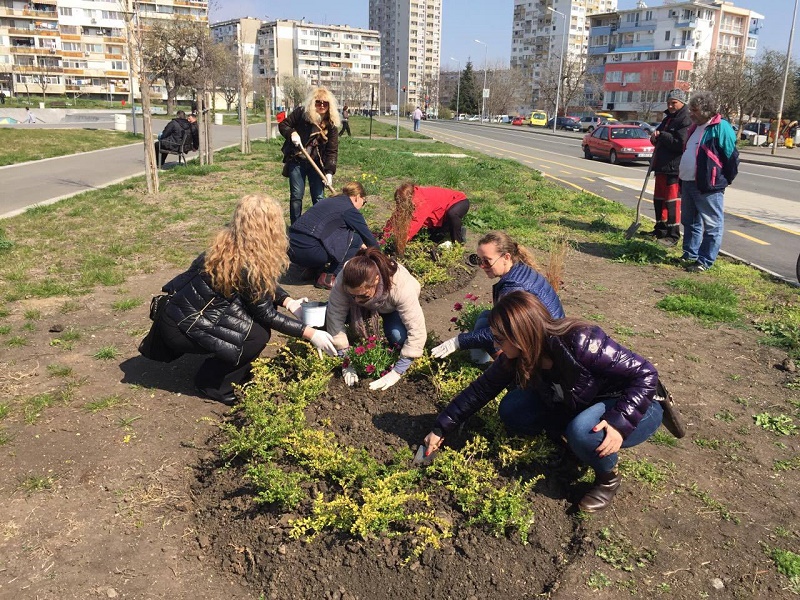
[179, 136]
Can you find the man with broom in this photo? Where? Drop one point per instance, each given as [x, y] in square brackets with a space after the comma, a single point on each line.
[669, 138]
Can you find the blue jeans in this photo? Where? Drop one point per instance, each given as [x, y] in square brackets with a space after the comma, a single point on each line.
[702, 218]
[298, 173]
[416, 124]
[394, 329]
[523, 412]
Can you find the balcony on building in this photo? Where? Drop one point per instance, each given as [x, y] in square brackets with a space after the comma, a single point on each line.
[684, 23]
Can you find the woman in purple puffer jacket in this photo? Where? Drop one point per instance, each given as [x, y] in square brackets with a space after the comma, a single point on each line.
[572, 379]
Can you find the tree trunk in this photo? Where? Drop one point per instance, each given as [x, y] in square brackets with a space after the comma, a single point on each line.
[150, 159]
[268, 110]
[245, 146]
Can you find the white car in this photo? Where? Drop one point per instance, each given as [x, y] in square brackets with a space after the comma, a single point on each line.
[474, 118]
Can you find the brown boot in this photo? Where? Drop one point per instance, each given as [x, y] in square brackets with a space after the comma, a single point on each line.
[602, 493]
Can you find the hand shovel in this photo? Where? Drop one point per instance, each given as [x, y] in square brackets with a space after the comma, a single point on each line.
[317, 169]
[634, 227]
[421, 459]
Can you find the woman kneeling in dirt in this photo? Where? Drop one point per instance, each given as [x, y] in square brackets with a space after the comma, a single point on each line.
[500, 256]
[440, 210]
[373, 286]
[227, 302]
[572, 380]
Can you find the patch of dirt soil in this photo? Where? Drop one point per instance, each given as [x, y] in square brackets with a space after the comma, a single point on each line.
[119, 501]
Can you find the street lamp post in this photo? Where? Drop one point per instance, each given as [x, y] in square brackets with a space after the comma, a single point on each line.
[397, 130]
[560, 65]
[785, 80]
[485, 66]
[458, 85]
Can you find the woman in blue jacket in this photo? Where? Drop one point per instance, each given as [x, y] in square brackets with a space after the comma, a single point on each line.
[572, 379]
[500, 256]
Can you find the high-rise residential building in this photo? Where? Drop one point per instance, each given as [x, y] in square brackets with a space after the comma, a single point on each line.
[241, 36]
[76, 46]
[642, 53]
[346, 60]
[542, 31]
[411, 41]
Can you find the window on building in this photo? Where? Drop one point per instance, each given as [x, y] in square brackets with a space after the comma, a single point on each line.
[631, 78]
[65, 11]
[656, 76]
[613, 76]
[666, 35]
[669, 75]
[683, 74]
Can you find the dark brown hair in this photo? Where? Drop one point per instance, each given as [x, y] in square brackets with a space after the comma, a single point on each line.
[354, 188]
[365, 265]
[522, 319]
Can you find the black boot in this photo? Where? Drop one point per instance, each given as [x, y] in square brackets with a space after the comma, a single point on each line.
[602, 493]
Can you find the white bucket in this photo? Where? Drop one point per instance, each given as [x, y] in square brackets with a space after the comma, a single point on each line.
[218, 118]
[120, 122]
[314, 313]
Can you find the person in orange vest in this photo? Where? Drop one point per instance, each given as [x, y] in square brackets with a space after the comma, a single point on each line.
[441, 210]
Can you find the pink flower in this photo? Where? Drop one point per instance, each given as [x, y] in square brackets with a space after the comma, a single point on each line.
[371, 345]
[370, 369]
[457, 306]
[470, 297]
[453, 319]
[385, 372]
[359, 350]
[346, 363]
[372, 338]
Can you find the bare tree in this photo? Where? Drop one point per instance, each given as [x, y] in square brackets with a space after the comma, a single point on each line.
[295, 90]
[129, 10]
[171, 51]
[227, 79]
[574, 72]
[507, 90]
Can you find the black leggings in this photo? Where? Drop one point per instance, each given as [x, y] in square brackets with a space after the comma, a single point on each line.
[452, 223]
[215, 377]
[345, 127]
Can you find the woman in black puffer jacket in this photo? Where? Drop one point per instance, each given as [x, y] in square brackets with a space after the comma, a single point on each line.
[226, 304]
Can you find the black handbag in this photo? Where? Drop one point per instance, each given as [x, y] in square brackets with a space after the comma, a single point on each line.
[153, 346]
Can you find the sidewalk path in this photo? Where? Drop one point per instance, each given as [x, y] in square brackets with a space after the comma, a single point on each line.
[52, 179]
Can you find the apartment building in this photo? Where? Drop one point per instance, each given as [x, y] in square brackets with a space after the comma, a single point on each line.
[411, 42]
[642, 53]
[542, 31]
[241, 36]
[346, 60]
[76, 46]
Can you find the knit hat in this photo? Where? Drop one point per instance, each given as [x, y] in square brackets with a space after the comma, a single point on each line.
[677, 94]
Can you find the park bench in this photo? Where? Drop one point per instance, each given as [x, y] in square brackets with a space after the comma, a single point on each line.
[58, 105]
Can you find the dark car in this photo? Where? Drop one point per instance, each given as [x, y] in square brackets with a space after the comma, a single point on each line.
[648, 127]
[566, 123]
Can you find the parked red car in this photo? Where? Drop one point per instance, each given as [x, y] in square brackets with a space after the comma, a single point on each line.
[618, 143]
[518, 121]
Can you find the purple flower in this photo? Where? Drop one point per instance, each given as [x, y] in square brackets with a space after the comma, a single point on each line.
[359, 350]
[457, 306]
[370, 369]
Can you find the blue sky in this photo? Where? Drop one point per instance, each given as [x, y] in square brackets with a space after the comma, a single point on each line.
[465, 20]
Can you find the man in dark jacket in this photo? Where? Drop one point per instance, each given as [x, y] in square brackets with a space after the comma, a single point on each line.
[669, 138]
[172, 137]
[331, 232]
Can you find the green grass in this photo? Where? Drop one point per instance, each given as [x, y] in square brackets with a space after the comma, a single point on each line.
[707, 300]
[126, 304]
[57, 370]
[5, 409]
[37, 483]
[21, 145]
[106, 353]
[32, 407]
[103, 403]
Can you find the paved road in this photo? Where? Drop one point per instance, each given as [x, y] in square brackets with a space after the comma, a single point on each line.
[52, 179]
[762, 209]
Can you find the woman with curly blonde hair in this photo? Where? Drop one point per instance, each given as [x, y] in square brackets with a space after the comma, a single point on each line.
[226, 304]
[440, 210]
[315, 127]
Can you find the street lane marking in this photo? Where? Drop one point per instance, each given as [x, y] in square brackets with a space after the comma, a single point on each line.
[588, 179]
[614, 187]
[577, 187]
[765, 223]
[566, 172]
[749, 238]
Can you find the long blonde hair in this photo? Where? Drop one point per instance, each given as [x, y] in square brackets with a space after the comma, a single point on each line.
[400, 220]
[252, 251]
[322, 93]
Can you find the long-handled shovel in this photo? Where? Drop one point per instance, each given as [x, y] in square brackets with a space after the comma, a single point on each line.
[318, 170]
[634, 227]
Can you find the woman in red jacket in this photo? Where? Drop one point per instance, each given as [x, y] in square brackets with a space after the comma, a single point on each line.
[436, 208]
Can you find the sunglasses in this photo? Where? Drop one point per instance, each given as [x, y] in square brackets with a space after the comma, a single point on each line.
[485, 263]
[321, 103]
